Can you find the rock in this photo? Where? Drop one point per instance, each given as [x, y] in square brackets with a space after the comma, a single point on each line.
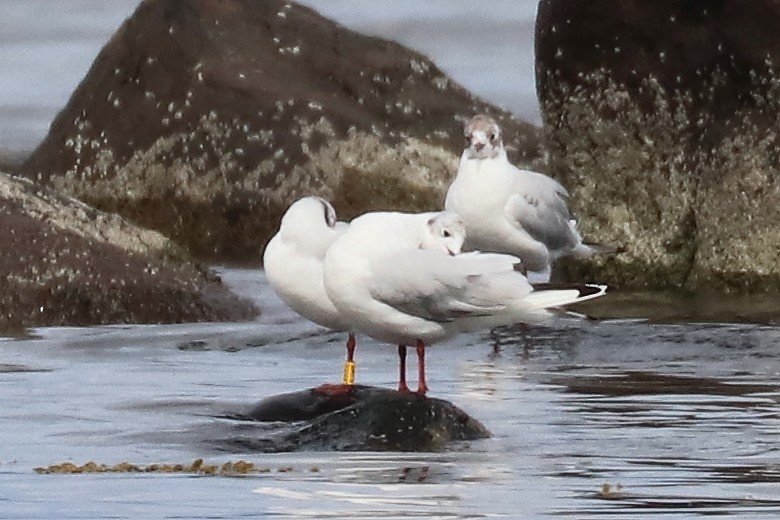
[65, 263]
[661, 118]
[365, 419]
[205, 119]
[11, 160]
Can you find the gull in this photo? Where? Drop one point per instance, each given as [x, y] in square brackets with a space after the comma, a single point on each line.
[293, 262]
[509, 210]
[390, 288]
[293, 265]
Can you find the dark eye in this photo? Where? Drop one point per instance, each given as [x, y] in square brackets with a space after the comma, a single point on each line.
[445, 234]
[493, 136]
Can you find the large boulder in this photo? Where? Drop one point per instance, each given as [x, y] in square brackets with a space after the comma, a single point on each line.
[661, 119]
[205, 119]
[65, 263]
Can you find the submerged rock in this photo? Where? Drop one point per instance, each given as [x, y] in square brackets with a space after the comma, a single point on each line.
[661, 119]
[366, 418]
[204, 120]
[65, 263]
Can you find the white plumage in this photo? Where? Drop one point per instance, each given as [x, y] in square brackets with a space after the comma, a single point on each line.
[293, 260]
[509, 210]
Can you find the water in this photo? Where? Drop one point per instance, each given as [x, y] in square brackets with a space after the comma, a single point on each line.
[46, 49]
[684, 417]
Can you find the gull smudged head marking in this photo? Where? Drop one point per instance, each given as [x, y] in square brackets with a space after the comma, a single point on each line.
[483, 137]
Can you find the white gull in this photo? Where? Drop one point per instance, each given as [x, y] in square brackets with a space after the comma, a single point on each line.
[509, 210]
[293, 265]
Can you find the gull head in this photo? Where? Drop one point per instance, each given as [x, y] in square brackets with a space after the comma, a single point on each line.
[445, 232]
[483, 137]
[311, 211]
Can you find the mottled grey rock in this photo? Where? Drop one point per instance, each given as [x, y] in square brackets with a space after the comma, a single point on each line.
[365, 419]
[204, 120]
[65, 263]
[661, 119]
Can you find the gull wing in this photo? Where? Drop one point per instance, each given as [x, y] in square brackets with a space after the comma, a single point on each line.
[538, 206]
[437, 287]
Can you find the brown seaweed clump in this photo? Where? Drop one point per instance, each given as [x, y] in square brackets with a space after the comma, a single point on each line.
[197, 467]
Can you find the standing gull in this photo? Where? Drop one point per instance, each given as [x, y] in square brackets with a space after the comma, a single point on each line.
[509, 210]
[293, 265]
[391, 289]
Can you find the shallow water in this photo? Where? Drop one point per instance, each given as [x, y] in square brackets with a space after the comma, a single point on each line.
[684, 417]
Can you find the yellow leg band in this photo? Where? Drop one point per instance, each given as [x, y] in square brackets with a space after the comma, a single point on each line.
[349, 373]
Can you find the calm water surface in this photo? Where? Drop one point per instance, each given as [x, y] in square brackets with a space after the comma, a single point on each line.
[684, 417]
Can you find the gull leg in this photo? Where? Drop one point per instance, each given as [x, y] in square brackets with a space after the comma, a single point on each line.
[402, 369]
[346, 386]
[525, 330]
[422, 387]
[351, 344]
[496, 342]
[349, 365]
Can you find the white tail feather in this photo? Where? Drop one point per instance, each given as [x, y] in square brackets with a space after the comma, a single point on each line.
[546, 298]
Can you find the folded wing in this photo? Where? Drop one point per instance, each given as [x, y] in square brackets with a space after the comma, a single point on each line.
[442, 288]
[538, 206]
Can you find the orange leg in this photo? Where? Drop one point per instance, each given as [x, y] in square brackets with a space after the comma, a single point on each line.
[349, 364]
[351, 344]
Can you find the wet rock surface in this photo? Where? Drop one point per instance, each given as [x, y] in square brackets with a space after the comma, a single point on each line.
[365, 419]
[661, 120]
[205, 119]
[65, 263]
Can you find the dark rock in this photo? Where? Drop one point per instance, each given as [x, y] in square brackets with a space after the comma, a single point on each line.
[11, 160]
[661, 120]
[205, 119]
[633, 383]
[306, 404]
[367, 418]
[65, 263]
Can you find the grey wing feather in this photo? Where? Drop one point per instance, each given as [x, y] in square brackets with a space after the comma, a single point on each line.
[539, 207]
[441, 288]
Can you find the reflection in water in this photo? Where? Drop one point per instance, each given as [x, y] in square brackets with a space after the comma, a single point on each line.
[601, 419]
[369, 486]
[675, 417]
